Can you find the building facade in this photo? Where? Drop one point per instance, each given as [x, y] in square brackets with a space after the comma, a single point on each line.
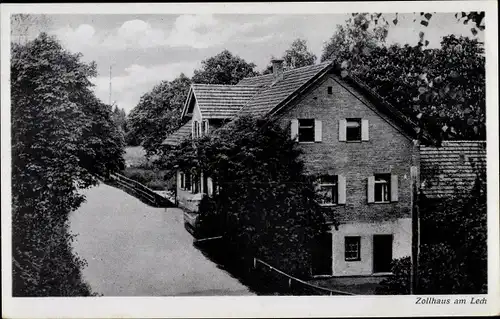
[363, 153]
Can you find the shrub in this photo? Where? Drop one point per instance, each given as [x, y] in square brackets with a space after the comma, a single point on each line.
[264, 203]
[400, 282]
[453, 250]
[62, 138]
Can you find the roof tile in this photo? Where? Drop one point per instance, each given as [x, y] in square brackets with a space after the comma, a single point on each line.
[453, 164]
[178, 136]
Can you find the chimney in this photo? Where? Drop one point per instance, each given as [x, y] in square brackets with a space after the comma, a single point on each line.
[277, 69]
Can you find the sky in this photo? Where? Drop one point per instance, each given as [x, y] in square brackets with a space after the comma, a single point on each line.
[143, 50]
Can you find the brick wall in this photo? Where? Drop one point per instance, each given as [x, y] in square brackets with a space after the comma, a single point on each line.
[387, 151]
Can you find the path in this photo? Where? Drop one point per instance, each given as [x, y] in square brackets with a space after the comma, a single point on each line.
[133, 249]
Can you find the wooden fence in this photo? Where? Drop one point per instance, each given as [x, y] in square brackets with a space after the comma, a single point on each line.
[142, 192]
[287, 284]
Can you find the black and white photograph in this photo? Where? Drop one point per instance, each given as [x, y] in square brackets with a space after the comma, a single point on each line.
[310, 157]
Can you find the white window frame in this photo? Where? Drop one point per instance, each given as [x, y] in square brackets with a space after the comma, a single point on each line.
[386, 192]
[352, 120]
[311, 127]
[357, 250]
[335, 190]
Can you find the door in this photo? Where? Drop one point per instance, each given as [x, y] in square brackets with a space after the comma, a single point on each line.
[322, 255]
[382, 253]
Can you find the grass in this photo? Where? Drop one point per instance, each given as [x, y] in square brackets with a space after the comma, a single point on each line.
[138, 168]
[134, 156]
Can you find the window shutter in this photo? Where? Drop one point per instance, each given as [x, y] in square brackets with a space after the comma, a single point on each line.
[364, 130]
[371, 189]
[318, 131]
[206, 127]
[342, 130]
[341, 189]
[294, 129]
[179, 179]
[210, 189]
[201, 188]
[192, 129]
[394, 188]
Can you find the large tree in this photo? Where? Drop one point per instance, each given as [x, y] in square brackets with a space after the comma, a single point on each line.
[264, 204]
[63, 138]
[357, 37]
[224, 68]
[298, 55]
[158, 113]
[443, 90]
[453, 252]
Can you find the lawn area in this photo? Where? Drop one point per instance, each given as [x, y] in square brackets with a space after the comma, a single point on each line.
[138, 168]
[134, 156]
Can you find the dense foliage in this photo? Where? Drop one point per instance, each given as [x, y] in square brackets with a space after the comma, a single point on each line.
[298, 55]
[264, 205]
[158, 113]
[443, 90]
[453, 250]
[223, 68]
[62, 138]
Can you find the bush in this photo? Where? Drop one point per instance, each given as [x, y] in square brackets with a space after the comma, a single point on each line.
[453, 250]
[264, 204]
[399, 283]
[62, 138]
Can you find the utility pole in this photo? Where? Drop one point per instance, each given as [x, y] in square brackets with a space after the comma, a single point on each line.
[415, 231]
[110, 83]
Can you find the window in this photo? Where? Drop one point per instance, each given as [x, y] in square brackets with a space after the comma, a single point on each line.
[196, 129]
[203, 127]
[353, 129]
[187, 180]
[196, 183]
[352, 248]
[306, 130]
[382, 188]
[182, 181]
[327, 190]
[330, 90]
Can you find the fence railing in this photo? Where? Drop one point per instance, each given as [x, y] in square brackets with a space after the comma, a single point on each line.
[140, 190]
[291, 284]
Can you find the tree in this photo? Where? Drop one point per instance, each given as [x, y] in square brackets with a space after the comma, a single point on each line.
[453, 251]
[264, 203]
[443, 90]
[224, 68]
[27, 26]
[158, 113]
[62, 139]
[295, 57]
[120, 119]
[356, 38]
[298, 56]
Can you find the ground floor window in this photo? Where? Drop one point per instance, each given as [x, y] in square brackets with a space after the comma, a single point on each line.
[352, 248]
[185, 181]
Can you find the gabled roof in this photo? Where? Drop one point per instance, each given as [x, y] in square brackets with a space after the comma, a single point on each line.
[454, 163]
[221, 101]
[273, 95]
[176, 137]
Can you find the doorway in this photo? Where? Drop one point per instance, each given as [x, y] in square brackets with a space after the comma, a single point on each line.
[322, 255]
[382, 253]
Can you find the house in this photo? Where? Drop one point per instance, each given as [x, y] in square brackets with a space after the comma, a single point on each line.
[365, 151]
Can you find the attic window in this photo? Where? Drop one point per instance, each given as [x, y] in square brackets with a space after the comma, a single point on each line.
[330, 90]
